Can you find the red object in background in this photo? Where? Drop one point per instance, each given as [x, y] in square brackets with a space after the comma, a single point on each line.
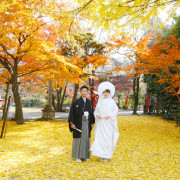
[1, 103]
[147, 97]
[94, 96]
[126, 99]
[178, 92]
[13, 98]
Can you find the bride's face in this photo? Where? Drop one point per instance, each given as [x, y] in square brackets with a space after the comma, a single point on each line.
[106, 94]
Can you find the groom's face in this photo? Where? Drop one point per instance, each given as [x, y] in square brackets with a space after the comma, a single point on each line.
[84, 92]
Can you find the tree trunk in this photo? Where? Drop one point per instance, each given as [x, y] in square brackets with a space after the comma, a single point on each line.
[53, 102]
[58, 107]
[49, 93]
[18, 106]
[76, 87]
[136, 94]
[91, 84]
[63, 96]
[157, 104]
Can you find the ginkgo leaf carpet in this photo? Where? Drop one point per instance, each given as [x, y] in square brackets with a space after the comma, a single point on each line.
[147, 148]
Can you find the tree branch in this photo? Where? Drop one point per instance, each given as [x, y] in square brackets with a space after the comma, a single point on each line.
[38, 69]
[25, 52]
[7, 51]
[148, 5]
[5, 77]
[5, 63]
[80, 9]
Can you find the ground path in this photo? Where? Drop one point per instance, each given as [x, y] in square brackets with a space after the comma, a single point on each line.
[34, 113]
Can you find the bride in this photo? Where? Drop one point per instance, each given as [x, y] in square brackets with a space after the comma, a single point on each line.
[106, 130]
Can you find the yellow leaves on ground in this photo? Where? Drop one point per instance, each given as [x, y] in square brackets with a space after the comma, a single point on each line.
[148, 148]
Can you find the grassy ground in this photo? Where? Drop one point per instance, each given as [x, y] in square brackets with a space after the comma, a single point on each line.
[148, 148]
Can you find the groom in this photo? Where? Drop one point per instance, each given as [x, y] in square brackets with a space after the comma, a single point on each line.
[81, 125]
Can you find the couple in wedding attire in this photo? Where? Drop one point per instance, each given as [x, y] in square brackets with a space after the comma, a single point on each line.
[82, 118]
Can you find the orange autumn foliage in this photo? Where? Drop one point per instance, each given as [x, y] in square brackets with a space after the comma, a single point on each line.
[161, 60]
[28, 41]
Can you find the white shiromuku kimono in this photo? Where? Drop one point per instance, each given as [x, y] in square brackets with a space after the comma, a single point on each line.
[106, 130]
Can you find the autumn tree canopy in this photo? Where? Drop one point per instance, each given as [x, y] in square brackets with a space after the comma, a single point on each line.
[83, 51]
[112, 14]
[27, 42]
[132, 50]
[162, 59]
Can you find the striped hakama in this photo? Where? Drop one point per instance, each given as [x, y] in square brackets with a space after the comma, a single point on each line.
[81, 146]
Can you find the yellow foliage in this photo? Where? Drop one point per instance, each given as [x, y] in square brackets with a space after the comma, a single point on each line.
[28, 40]
[113, 14]
[147, 148]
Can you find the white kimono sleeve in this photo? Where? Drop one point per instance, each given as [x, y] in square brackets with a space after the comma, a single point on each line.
[113, 114]
[96, 112]
[114, 111]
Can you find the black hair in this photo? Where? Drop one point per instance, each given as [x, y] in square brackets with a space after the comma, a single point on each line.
[107, 90]
[83, 87]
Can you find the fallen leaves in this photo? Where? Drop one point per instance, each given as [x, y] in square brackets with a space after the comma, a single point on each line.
[148, 148]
